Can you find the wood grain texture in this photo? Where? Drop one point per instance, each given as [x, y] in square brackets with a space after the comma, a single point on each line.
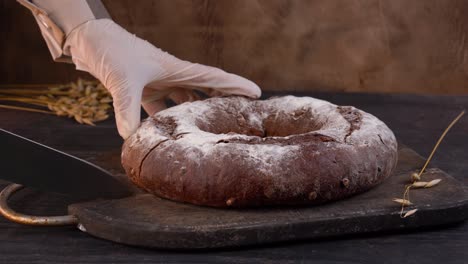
[416, 120]
[369, 45]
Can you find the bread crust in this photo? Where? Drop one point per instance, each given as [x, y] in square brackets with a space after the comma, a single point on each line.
[238, 152]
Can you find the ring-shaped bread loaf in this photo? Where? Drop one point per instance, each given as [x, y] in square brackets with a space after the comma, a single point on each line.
[239, 152]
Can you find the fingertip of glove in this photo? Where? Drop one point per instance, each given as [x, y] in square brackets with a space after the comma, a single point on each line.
[257, 92]
[252, 90]
[125, 132]
[126, 125]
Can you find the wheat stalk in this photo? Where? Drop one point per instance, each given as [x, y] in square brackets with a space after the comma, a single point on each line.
[88, 102]
[25, 109]
[416, 177]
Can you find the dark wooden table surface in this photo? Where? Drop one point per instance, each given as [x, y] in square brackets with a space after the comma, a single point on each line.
[416, 120]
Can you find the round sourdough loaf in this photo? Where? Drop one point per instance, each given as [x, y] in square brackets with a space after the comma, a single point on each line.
[238, 152]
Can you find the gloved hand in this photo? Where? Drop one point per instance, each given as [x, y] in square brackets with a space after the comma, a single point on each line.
[137, 73]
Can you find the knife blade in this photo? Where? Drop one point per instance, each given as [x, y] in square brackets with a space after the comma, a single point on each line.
[35, 165]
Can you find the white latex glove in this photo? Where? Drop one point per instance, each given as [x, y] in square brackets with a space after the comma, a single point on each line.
[137, 73]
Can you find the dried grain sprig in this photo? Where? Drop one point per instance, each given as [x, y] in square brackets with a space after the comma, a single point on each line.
[410, 213]
[23, 100]
[87, 102]
[25, 109]
[416, 177]
[402, 201]
[432, 183]
[439, 141]
[423, 184]
[27, 85]
[32, 91]
[419, 184]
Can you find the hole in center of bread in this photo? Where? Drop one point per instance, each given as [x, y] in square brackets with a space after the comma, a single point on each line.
[261, 122]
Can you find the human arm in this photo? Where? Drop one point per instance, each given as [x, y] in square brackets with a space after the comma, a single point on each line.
[133, 70]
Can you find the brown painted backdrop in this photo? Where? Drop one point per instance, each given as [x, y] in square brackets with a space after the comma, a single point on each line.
[336, 45]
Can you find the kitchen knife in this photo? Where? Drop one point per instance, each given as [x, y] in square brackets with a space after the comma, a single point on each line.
[32, 164]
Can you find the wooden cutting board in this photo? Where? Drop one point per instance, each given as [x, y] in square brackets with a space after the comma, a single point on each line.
[145, 220]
